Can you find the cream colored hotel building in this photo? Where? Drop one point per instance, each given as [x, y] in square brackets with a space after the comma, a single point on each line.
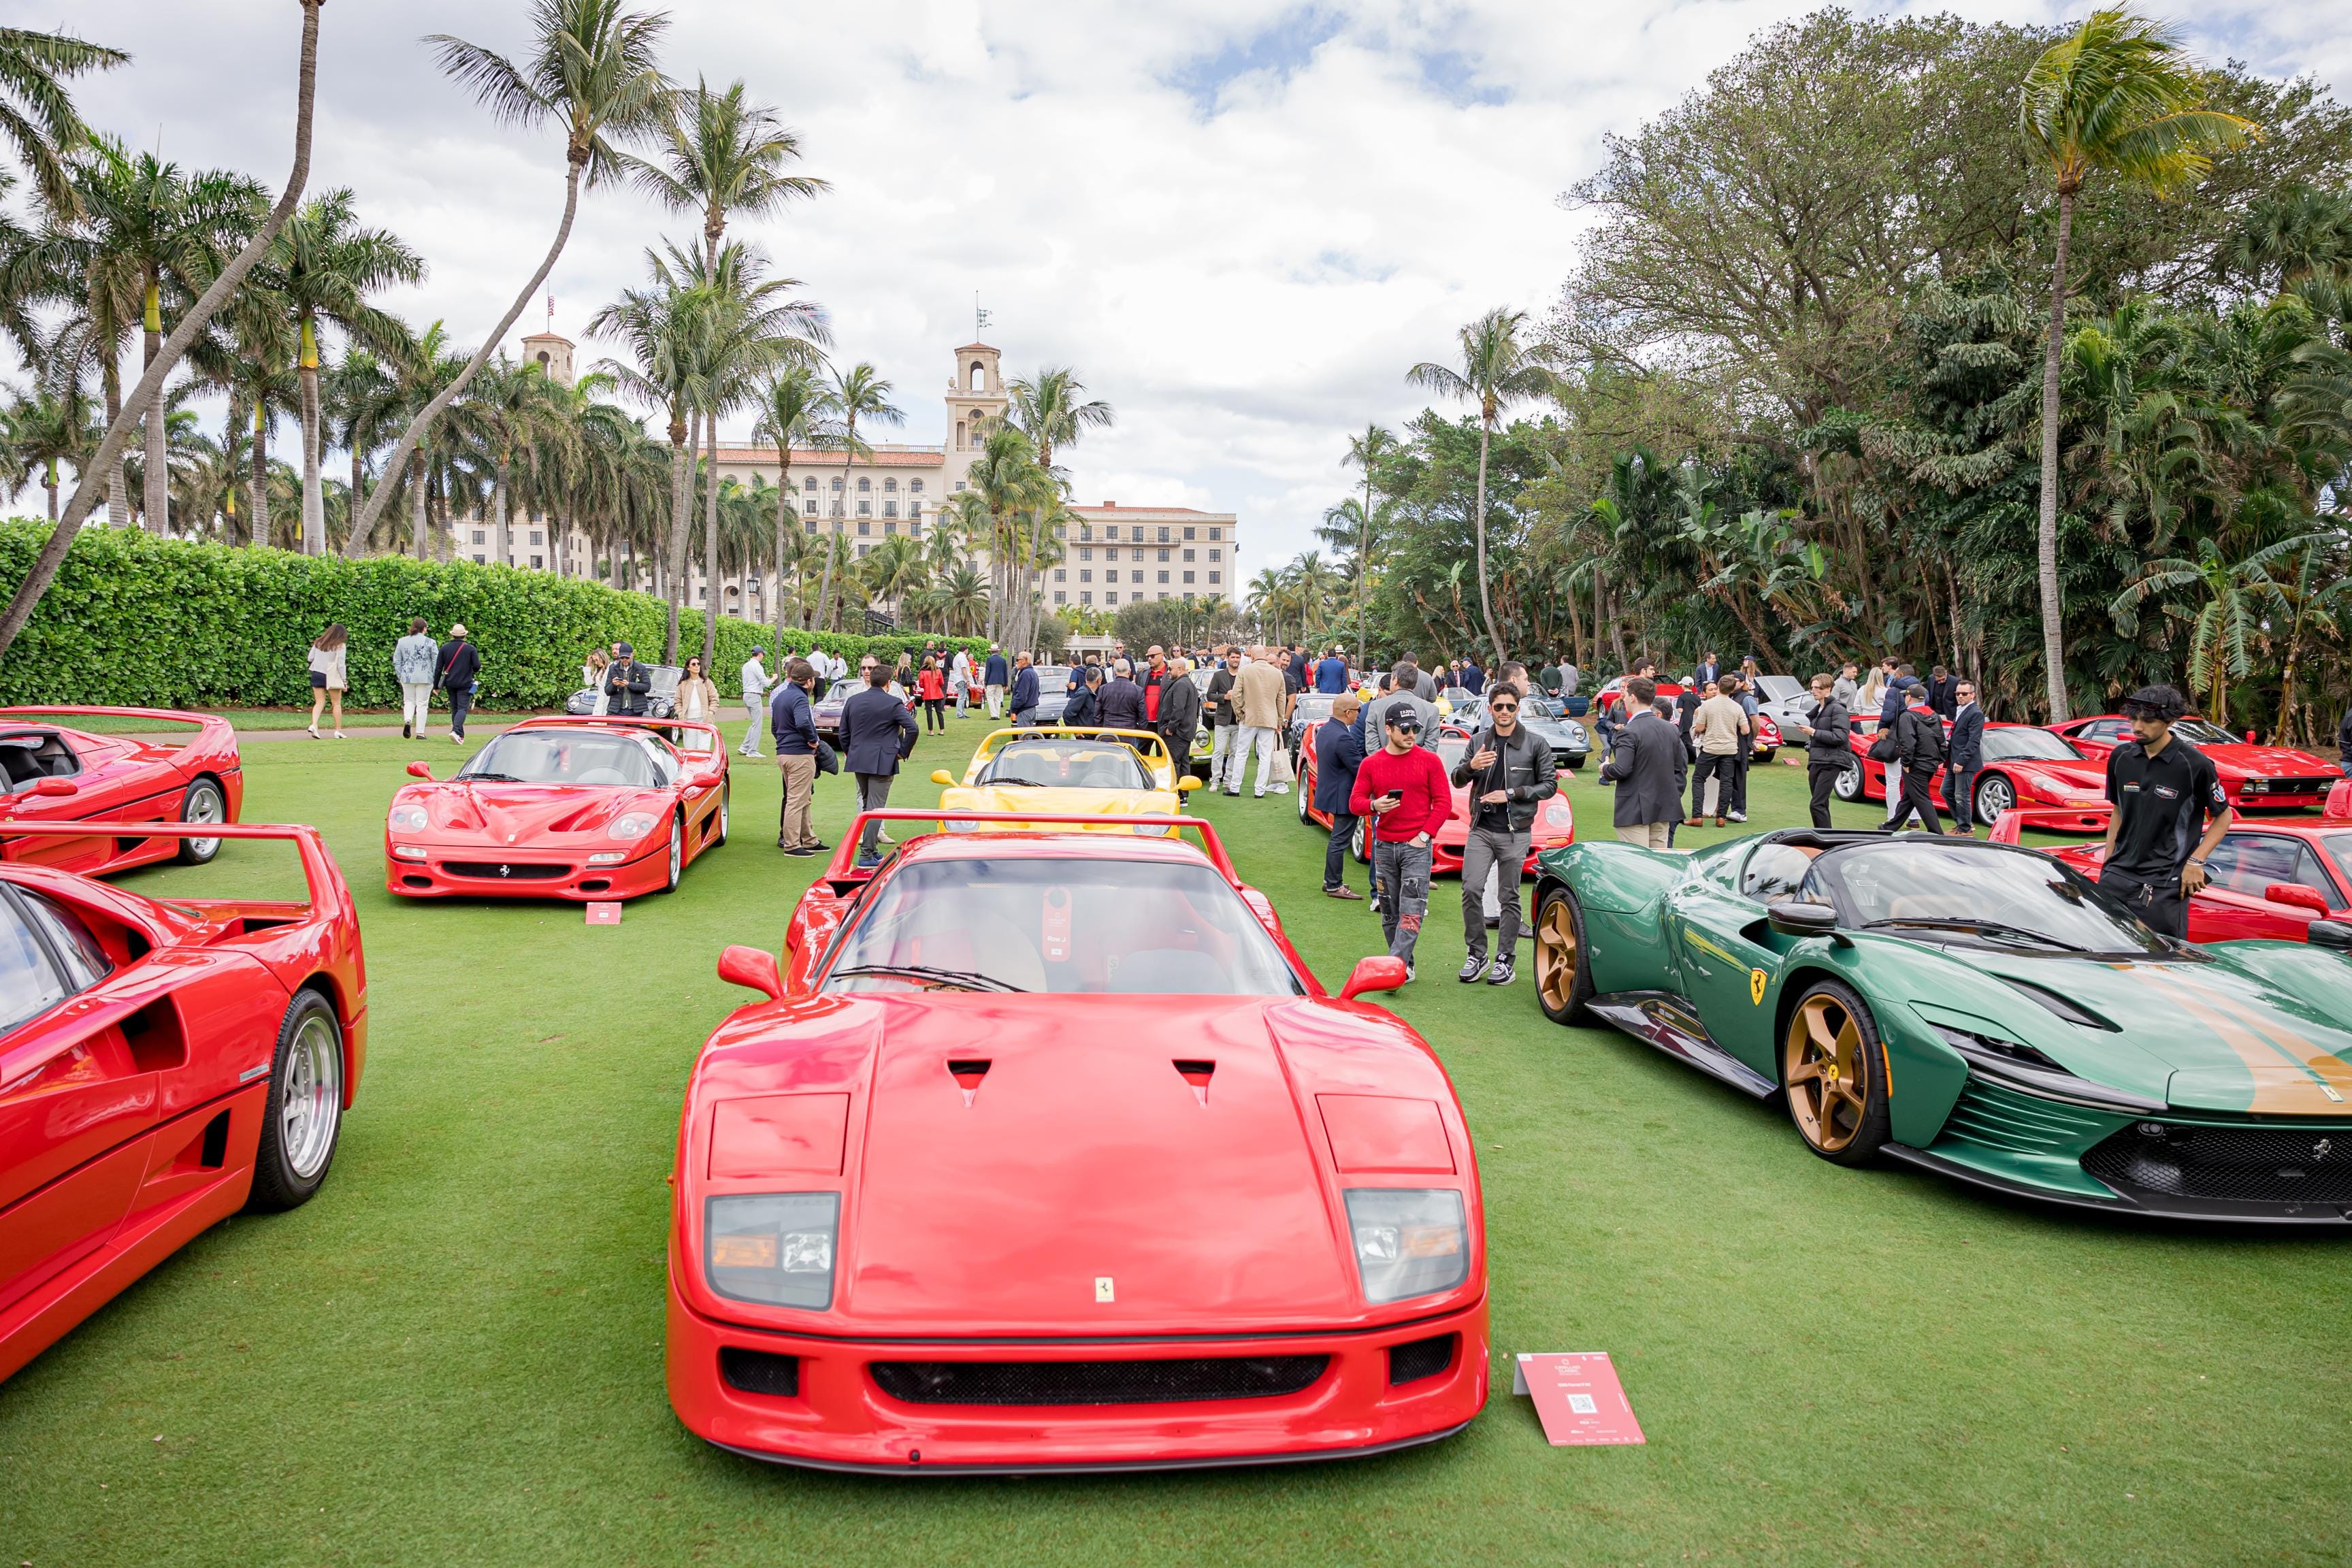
[1122, 554]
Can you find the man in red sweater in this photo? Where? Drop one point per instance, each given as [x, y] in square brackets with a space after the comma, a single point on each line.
[1404, 788]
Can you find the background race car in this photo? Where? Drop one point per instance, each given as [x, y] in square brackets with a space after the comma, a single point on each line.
[2268, 878]
[2257, 778]
[2026, 769]
[1555, 822]
[1079, 771]
[125, 765]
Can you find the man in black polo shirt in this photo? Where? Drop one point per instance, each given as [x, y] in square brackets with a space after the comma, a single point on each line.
[2165, 791]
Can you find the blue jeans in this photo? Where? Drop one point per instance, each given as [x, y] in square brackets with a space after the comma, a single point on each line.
[1335, 856]
[1402, 871]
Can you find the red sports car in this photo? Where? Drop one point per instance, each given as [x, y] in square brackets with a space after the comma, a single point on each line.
[2268, 878]
[1555, 823]
[162, 1066]
[55, 773]
[1047, 1151]
[563, 808]
[2026, 769]
[2258, 778]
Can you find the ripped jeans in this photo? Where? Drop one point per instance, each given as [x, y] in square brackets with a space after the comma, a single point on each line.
[1400, 874]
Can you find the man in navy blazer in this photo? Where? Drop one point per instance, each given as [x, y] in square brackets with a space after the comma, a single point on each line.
[1967, 755]
[1338, 752]
[877, 734]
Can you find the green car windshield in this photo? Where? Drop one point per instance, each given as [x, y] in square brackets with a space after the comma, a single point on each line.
[1995, 897]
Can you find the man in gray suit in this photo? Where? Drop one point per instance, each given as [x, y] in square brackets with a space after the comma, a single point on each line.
[1647, 766]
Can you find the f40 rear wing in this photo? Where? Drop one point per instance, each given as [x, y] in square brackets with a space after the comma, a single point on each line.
[328, 889]
[846, 874]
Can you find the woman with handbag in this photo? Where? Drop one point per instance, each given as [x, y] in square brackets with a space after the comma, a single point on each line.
[327, 676]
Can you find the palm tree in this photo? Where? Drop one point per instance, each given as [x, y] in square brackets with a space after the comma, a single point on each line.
[1051, 411]
[791, 410]
[2113, 95]
[1497, 370]
[1367, 451]
[46, 428]
[2235, 593]
[591, 69]
[512, 404]
[858, 393]
[36, 118]
[723, 156]
[1268, 597]
[662, 326]
[1006, 482]
[216, 293]
[322, 269]
[959, 602]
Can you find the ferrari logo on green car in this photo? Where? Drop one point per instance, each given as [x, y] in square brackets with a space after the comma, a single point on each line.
[1756, 979]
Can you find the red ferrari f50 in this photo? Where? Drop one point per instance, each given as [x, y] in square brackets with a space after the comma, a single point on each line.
[162, 1065]
[1045, 1151]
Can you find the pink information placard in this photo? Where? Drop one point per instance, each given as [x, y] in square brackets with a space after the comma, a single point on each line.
[1579, 1399]
[603, 914]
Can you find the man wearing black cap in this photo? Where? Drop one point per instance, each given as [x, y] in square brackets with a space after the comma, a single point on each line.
[625, 683]
[2164, 789]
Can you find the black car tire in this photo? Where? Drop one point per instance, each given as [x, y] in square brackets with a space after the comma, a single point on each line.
[286, 1173]
[1563, 980]
[205, 801]
[1856, 1123]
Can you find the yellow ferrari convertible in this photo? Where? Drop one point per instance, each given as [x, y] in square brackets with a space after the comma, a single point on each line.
[1096, 773]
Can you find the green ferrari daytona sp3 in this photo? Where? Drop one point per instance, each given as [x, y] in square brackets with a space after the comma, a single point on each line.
[1976, 1009]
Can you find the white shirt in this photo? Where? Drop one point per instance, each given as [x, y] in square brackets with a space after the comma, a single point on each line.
[755, 678]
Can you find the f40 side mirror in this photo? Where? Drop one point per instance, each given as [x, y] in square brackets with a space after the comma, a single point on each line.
[753, 968]
[1380, 973]
[942, 776]
[1793, 917]
[420, 770]
[2295, 896]
[56, 789]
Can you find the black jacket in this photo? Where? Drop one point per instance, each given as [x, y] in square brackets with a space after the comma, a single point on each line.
[876, 732]
[1919, 740]
[1025, 689]
[1083, 705]
[1944, 696]
[1219, 701]
[1180, 714]
[1830, 745]
[1648, 766]
[1121, 702]
[456, 665]
[1338, 754]
[626, 685]
[1968, 740]
[1522, 766]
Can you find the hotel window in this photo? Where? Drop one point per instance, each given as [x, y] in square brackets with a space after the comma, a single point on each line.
[1111, 598]
[1061, 532]
[1086, 574]
[866, 508]
[535, 538]
[864, 485]
[1189, 532]
[890, 487]
[1187, 577]
[837, 484]
[1086, 530]
[863, 549]
[1163, 577]
[1061, 598]
[479, 561]
[889, 527]
[1188, 598]
[959, 484]
[1163, 555]
[914, 525]
[701, 592]
[1188, 555]
[1112, 531]
[1085, 553]
[1138, 554]
[889, 508]
[812, 522]
[478, 536]
[538, 562]
[809, 483]
[864, 526]
[1060, 574]
[1215, 534]
[1163, 596]
[916, 486]
[1163, 536]
[1086, 596]
[1216, 554]
[1138, 576]
[1212, 577]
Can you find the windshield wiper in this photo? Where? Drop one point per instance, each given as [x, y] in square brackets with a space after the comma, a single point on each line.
[1024, 784]
[1984, 928]
[956, 978]
[490, 778]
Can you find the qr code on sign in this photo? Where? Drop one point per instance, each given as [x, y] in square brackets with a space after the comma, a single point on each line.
[1582, 1404]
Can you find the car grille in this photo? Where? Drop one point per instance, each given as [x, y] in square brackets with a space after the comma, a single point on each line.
[1417, 1359]
[1992, 1117]
[760, 1372]
[2240, 1164]
[1096, 1382]
[2289, 786]
[505, 871]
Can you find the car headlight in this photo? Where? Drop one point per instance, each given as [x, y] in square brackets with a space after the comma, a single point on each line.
[635, 825]
[775, 1248]
[1409, 1241]
[409, 819]
[1153, 829]
[408, 851]
[608, 857]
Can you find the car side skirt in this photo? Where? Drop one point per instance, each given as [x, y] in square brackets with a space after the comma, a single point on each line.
[1668, 1021]
[2168, 1208]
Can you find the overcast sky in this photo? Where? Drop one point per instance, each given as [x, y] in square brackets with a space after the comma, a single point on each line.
[1240, 223]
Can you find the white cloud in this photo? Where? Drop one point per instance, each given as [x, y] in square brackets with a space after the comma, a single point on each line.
[1241, 225]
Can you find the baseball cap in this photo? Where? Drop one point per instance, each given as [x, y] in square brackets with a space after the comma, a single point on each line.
[2163, 703]
[1401, 718]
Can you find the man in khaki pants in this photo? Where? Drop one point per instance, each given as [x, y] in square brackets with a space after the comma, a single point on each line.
[793, 721]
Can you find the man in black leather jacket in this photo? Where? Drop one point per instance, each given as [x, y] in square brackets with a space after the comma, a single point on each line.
[625, 684]
[1509, 771]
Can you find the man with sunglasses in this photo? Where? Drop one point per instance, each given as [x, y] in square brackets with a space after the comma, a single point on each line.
[1508, 772]
[2163, 789]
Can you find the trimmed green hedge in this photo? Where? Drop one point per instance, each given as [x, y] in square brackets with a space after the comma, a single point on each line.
[136, 621]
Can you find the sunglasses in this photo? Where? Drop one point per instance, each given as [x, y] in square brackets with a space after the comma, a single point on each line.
[1503, 707]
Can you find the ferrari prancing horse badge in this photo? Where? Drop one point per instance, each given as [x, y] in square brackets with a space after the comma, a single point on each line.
[1756, 986]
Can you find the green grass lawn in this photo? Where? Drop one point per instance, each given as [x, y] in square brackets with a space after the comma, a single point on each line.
[454, 1354]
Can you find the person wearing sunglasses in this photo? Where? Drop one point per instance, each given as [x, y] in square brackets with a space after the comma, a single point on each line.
[1508, 772]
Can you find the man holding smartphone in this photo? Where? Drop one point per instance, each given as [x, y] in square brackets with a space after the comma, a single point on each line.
[1404, 788]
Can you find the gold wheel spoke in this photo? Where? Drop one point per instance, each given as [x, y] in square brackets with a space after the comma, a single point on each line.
[1806, 1071]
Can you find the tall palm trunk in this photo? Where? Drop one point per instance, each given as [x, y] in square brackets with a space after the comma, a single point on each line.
[118, 489]
[154, 464]
[354, 544]
[1478, 532]
[498, 512]
[2054, 649]
[49, 483]
[681, 457]
[784, 518]
[314, 488]
[710, 544]
[824, 586]
[230, 535]
[416, 498]
[259, 465]
[1364, 565]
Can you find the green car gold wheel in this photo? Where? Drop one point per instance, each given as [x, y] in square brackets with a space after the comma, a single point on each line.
[1563, 979]
[1830, 1066]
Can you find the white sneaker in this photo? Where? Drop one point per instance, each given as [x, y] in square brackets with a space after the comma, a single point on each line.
[1282, 789]
[1735, 816]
